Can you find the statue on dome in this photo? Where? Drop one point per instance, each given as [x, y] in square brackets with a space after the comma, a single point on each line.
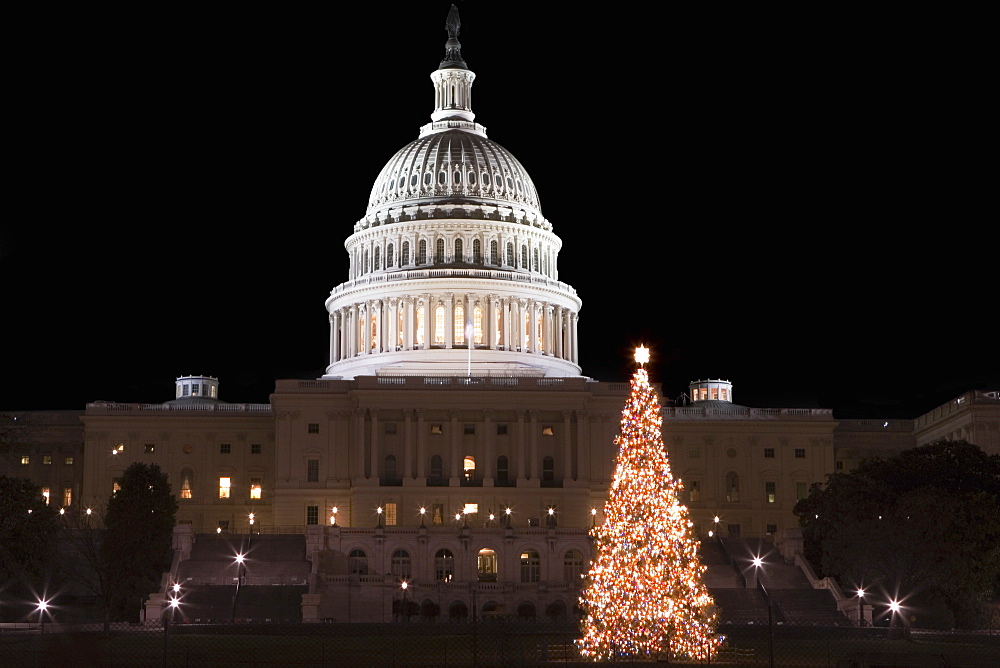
[453, 48]
[453, 23]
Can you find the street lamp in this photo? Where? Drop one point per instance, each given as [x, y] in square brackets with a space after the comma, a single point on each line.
[861, 614]
[379, 511]
[423, 511]
[404, 609]
[43, 605]
[333, 516]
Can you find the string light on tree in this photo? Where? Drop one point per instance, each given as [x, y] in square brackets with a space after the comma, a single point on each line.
[644, 596]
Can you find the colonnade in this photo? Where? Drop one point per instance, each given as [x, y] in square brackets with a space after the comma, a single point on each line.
[447, 320]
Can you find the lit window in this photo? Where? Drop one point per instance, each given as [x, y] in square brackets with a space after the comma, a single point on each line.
[436, 429]
[46, 494]
[439, 324]
[116, 485]
[547, 431]
[420, 326]
[530, 566]
[25, 460]
[68, 461]
[444, 565]
[150, 448]
[186, 477]
[471, 508]
[46, 459]
[459, 324]
[224, 486]
[469, 467]
[255, 488]
[67, 496]
[390, 514]
[695, 491]
[770, 491]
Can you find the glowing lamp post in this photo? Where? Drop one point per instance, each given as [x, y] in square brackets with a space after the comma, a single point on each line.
[43, 605]
[861, 614]
[404, 585]
[333, 516]
[423, 511]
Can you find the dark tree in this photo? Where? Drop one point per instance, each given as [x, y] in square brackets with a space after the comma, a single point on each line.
[28, 530]
[923, 526]
[135, 551]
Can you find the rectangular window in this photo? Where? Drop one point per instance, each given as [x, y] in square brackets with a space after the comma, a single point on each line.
[801, 490]
[224, 486]
[694, 453]
[46, 459]
[436, 429]
[312, 470]
[501, 430]
[25, 460]
[225, 448]
[840, 464]
[68, 461]
[312, 515]
[437, 513]
[390, 514]
[770, 491]
[224, 525]
[772, 528]
[46, 494]
[150, 448]
[67, 496]
[116, 485]
[390, 427]
[695, 491]
[255, 487]
[800, 453]
[734, 530]
[769, 453]
[313, 428]
[547, 431]
[255, 448]
[470, 429]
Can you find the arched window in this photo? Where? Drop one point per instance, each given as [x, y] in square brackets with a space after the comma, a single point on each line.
[362, 320]
[509, 261]
[572, 567]
[503, 469]
[477, 326]
[357, 562]
[555, 610]
[539, 339]
[365, 267]
[530, 566]
[389, 469]
[498, 330]
[436, 466]
[405, 260]
[389, 256]
[399, 566]
[732, 487]
[420, 325]
[444, 565]
[422, 252]
[459, 249]
[378, 258]
[493, 253]
[439, 324]
[374, 331]
[439, 252]
[187, 482]
[459, 325]
[477, 251]
[534, 260]
[524, 257]
[399, 327]
[526, 610]
[458, 611]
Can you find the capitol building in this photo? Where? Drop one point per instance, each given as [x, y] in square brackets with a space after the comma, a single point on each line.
[454, 442]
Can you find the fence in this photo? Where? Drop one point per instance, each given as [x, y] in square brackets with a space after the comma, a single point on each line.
[494, 642]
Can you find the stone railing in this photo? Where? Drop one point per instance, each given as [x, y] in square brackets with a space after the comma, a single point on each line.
[371, 280]
[109, 407]
[742, 412]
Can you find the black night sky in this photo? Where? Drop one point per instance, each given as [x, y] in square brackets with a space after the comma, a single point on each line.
[788, 199]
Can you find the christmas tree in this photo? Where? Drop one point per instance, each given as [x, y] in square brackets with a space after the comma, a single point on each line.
[644, 596]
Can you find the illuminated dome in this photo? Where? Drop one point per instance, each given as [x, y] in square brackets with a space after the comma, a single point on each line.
[456, 166]
[453, 268]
